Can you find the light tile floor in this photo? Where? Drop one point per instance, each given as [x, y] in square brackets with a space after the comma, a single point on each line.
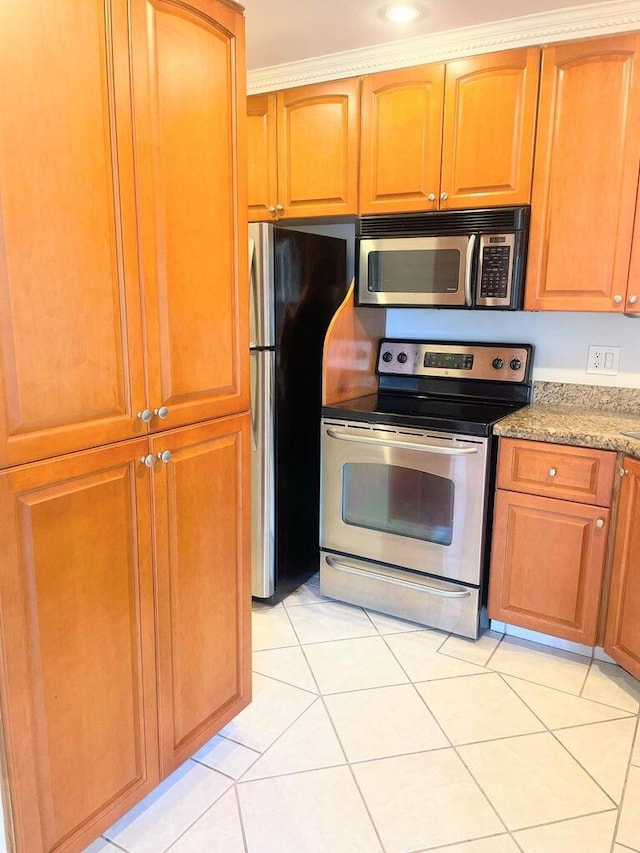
[369, 734]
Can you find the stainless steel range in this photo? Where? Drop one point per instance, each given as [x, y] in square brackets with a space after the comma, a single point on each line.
[408, 476]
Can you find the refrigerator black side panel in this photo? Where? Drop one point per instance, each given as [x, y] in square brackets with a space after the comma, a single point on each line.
[310, 283]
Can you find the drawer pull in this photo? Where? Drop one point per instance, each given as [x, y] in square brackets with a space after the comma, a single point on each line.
[552, 472]
[600, 523]
[623, 471]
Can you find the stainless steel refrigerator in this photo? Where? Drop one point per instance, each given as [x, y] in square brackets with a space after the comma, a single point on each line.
[297, 282]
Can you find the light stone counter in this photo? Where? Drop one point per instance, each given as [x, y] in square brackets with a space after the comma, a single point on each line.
[581, 415]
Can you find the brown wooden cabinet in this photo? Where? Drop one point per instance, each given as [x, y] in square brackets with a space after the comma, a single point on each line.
[123, 313]
[551, 523]
[316, 137]
[622, 634]
[449, 135]
[585, 177]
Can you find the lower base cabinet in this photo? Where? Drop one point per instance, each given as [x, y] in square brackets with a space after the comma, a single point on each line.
[622, 634]
[124, 623]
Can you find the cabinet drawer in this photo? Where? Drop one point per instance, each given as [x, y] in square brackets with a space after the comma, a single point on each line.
[579, 474]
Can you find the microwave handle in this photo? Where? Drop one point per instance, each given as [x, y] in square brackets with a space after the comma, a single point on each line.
[468, 270]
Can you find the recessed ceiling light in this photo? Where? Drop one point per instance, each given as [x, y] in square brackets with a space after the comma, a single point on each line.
[401, 13]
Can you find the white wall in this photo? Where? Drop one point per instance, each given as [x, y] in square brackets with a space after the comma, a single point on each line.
[561, 339]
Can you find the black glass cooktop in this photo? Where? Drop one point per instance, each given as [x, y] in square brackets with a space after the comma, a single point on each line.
[472, 416]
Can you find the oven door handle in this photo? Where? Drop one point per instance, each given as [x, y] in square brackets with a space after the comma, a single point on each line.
[469, 270]
[422, 587]
[406, 444]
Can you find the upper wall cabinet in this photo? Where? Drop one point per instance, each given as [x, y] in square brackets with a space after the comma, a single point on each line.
[315, 135]
[451, 135]
[585, 177]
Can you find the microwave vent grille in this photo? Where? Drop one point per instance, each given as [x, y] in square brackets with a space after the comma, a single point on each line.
[434, 223]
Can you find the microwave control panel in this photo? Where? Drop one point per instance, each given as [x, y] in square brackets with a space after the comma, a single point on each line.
[495, 269]
[449, 360]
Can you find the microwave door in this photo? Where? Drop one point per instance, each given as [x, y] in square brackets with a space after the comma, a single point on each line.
[416, 271]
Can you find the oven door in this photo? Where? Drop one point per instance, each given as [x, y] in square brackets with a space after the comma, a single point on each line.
[410, 498]
[418, 271]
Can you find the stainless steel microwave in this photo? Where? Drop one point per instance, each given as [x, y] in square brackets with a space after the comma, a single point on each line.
[443, 259]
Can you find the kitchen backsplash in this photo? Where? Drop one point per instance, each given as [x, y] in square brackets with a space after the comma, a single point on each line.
[587, 396]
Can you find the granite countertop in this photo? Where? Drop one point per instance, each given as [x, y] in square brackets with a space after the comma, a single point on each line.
[584, 416]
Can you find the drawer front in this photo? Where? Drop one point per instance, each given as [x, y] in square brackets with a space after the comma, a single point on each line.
[579, 474]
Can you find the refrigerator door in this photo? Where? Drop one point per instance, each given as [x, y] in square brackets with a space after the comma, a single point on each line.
[262, 364]
[261, 285]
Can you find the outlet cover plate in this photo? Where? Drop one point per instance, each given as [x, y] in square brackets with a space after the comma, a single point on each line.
[604, 360]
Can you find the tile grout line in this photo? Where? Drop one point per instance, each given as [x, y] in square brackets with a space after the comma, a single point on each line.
[625, 784]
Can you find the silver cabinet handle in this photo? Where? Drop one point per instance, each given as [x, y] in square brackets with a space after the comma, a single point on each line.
[164, 456]
[552, 472]
[279, 208]
[617, 299]
[600, 523]
[272, 209]
[444, 196]
[468, 270]
[632, 300]
[623, 471]
[432, 590]
[162, 412]
[145, 415]
[431, 196]
[149, 460]
[408, 444]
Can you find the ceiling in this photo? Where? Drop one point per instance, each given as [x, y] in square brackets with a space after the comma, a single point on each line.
[283, 31]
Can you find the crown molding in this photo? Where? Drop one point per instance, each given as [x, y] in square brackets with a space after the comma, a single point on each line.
[594, 19]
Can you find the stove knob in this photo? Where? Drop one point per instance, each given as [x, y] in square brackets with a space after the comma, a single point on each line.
[402, 357]
[498, 363]
[515, 364]
[387, 356]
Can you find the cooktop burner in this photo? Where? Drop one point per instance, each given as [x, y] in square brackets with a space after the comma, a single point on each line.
[450, 386]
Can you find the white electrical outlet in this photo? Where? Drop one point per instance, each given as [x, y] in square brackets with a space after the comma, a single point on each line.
[603, 360]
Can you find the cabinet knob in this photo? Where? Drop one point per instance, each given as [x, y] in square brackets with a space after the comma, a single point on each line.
[431, 196]
[145, 415]
[623, 471]
[617, 299]
[632, 300]
[552, 472]
[444, 196]
[279, 208]
[165, 456]
[600, 522]
[272, 209]
[162, 412]
[149, 460]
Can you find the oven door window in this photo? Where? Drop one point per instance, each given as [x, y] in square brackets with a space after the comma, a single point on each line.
[398, 500]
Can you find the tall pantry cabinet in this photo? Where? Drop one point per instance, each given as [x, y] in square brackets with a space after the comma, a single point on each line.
[124, 426]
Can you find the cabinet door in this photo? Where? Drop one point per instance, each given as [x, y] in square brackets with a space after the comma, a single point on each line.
[78, 654]
[586, 175]
[547, 564]
[71, 373]
[622, 637]
[202, 521]
[401, 139]
[262, 153]
[489, 128]
[188, 68]
[318, 149]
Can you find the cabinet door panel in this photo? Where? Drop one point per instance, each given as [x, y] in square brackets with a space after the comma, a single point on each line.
[586, 175]
[262, 153]
[489, 126]
[622, 637]
[190, 150]
[204, 592]
[71, 364]
[318, 149]
[78, 655]
[547, 563]
[401, 139]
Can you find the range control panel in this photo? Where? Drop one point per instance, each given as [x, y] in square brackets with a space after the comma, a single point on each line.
[455, 360]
